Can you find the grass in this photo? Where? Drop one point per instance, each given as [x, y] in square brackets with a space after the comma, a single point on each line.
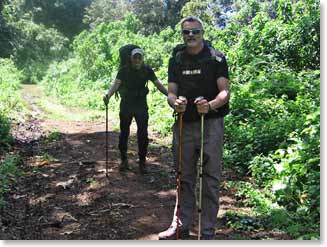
[47, 157]
[53, 136]
[54, 110]
[265, 214]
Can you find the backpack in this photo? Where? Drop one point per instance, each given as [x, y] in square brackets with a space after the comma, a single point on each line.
[125, 54]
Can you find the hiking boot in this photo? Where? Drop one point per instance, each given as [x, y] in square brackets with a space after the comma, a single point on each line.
[208, 237]
[170, 233]
[124, 165]
[142, 168]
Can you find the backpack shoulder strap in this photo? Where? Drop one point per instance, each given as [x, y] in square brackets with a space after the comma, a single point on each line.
[178, 52]
[178, 57]
[216, 55]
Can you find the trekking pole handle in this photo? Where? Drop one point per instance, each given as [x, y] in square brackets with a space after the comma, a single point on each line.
[180, 104]
[106, 99]
[199, 98]
[182, 98]
[196, 101]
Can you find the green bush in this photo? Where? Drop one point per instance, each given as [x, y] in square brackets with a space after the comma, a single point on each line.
[10, 79]
[8, 172]
[5, 137]
[10, 103]
[34, 46]
[38, 47]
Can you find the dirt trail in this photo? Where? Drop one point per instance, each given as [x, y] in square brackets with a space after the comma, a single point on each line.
[65, 194]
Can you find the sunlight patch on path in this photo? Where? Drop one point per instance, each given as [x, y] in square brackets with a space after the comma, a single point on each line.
[34, 95]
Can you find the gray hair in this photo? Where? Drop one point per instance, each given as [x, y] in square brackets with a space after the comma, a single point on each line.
[192, 19]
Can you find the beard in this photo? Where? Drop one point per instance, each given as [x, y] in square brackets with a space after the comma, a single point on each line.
[192, 42]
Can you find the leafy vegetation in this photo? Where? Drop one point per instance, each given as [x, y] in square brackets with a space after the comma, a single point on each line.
[154, 15]
[10, 102]
[8, 173]
[32, 46]
[10, 108]
[268, 214]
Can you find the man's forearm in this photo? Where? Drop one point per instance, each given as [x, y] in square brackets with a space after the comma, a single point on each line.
[113, 89]
[172, 94]
[163, 90]
[161, 87]
[221, 99]
[171, 100]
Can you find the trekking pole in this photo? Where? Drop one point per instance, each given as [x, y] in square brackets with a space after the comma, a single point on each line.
[179, 172]
[200, 172]
[107, 134]
[200, 177]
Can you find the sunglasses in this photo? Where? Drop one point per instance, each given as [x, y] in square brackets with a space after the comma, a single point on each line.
[193, 31]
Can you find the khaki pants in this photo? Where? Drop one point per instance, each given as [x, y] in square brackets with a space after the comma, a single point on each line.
[212, 156]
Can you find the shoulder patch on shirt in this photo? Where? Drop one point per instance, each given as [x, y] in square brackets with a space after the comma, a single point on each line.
[219, 59]
[215, 54]
[219, 56]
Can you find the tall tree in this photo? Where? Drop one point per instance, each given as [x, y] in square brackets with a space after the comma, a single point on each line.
[106, 11]
[64, 15]
[154, 15]
[151, 13]
[158, 14]
[173, 11]
[7, 31]
[5, 38]
[207, 11]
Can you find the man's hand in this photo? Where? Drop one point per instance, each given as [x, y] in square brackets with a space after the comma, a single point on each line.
[180, 104]
[106, 99]
[202, 105]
